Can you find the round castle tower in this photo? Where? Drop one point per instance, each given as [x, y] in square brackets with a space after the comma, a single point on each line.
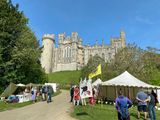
[47, 53]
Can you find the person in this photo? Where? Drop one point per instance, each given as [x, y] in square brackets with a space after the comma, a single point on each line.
[151, 105]
[122, 106]
[12, 99]
[33, 93]
[71, 93]
[76, 96]
[155, 97]
[142, 103]
[49, 93]
[43, 93]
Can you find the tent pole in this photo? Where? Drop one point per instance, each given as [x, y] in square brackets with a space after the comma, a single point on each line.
[116, 91]
[129, 92]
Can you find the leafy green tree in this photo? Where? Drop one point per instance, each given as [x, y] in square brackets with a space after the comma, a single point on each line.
[141, 63]
[19, 49]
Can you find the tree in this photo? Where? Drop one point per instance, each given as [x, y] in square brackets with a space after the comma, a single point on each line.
[139, 62]
[19, 49]
[92, 65]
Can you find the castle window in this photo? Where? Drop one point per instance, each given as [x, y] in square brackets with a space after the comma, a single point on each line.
[103, 56]
[65, 54]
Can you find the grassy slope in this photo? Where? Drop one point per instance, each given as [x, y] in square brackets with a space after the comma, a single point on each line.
[102, 112]
[65, 77]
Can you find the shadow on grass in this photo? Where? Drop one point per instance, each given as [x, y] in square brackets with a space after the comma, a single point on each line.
[82, 113]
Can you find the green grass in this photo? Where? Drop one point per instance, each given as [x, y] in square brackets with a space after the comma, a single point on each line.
[102, 112]
[65, 77]
[9, 106]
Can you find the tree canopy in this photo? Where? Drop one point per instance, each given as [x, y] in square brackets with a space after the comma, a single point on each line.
[19, 48]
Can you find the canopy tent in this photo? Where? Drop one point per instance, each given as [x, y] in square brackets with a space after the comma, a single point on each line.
[97, 82]
[126, 79]
[33, 85]
[20, 85]
[129, 84]
[9, 90]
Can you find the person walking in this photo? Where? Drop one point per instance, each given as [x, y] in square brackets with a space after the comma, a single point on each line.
[122, 106]
[49, 93]
[151, 105]
[142, 103]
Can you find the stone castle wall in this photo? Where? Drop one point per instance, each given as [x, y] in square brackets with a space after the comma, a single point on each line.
[71, 54]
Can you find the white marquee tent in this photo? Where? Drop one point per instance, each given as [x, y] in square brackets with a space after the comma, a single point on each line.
[129, 84]
[97, 82]
[126, 79]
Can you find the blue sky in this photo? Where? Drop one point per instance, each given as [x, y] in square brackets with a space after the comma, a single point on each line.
[96, 19]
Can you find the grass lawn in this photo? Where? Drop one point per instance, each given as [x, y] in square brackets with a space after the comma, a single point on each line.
[65, 77]
[9, 106]
[102, 112]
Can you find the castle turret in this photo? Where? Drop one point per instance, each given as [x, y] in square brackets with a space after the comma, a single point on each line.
[123, 38]
[61, 38]
[47, 54]
[74, 36]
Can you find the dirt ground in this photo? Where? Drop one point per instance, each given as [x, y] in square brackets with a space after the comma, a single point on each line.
[59, 109]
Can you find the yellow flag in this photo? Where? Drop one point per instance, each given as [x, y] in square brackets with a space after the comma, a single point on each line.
[97, 72]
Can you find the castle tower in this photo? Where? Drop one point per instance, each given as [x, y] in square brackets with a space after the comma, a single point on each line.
[74, 36]
[61, 38]
[47, 53]
[123, 38]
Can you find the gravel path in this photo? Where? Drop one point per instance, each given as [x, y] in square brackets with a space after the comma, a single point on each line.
[59, 109]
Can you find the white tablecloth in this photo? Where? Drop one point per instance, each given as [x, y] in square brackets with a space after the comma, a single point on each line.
[24, 97]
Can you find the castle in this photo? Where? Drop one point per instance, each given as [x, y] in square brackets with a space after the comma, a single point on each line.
[71, 54]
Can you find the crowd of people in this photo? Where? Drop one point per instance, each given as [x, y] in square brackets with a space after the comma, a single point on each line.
[45, 92]
[146, 104]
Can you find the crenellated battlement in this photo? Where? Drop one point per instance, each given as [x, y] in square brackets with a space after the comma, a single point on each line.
[48, 36]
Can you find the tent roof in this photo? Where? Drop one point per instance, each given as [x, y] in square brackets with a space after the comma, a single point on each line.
[20, 85]
[9, 90]
[126, 79]
[98, 81]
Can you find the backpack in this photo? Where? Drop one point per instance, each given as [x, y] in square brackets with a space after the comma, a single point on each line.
[122, 103]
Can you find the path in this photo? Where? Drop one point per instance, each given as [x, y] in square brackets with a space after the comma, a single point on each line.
[59, 109]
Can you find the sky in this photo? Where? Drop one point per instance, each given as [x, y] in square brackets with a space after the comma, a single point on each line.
[96, 19]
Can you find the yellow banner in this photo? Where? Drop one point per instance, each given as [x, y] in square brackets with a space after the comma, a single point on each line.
[97, 72]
